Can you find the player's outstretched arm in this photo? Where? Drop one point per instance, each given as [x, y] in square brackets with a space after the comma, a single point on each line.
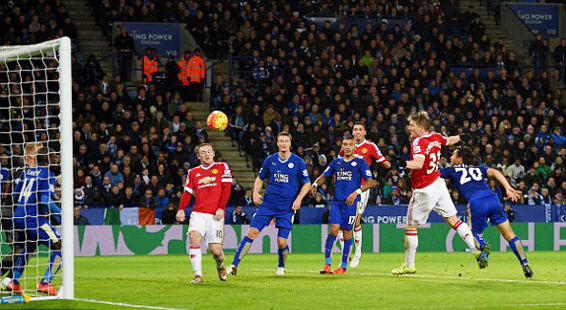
[352, 197]
[299, 200]
[416, 163]
[258, 185]
[512, 193]
[454, 139]
[318, 182]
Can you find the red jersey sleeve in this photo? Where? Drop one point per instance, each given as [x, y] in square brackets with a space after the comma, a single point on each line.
[189, 183]
[376, 154]
[226, 174]
[444, 140]
[417, 150]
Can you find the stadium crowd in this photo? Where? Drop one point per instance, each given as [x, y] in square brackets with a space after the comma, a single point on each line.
[313, 78]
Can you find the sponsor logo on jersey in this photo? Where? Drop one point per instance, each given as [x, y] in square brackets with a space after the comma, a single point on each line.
[343, 175]
[281, 177]
[207, 180]
[214, 171]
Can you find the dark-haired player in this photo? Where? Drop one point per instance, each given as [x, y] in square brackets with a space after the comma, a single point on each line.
[369, 152]
[34, 189]
[471, 181]
[348, 173]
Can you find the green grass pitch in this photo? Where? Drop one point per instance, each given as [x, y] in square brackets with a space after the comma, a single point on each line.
[443, 280]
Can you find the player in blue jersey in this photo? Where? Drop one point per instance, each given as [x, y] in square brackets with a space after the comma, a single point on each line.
[348, 172]
[471, 181]
[34, 205]
[283, 197]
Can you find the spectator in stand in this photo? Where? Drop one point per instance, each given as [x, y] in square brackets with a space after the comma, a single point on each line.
[162, 199]
[538, 51]
[92, 71]
[125, 47]
[78, 218]
[147, 200]
[238, 216]
[168, 214]
[560, 58]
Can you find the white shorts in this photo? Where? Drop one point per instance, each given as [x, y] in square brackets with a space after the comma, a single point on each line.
[210, 229]
[363, 202]
[435, 196]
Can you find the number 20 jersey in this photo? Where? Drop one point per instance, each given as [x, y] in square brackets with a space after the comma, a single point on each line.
[429, 147]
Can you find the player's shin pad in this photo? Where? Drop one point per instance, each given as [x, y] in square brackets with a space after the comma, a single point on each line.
[52, 268]
[243, 249]
[518, 249]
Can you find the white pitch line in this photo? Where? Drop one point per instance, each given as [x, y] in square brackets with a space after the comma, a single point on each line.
[123, 304]
[431, 277]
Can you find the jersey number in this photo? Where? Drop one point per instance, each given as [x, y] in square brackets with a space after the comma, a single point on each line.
[26, 190]
[351, 220]
[475, 174]
[434, 158]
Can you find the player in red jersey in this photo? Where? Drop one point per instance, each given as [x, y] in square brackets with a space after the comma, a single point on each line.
[429, 190]
[369, 152]
[210, 183]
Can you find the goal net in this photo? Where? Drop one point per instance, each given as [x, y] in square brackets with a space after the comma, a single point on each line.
[36, 170]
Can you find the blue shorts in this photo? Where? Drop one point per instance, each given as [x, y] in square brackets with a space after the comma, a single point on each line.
[39, 230]
[283, 221]
[343, 214]
[484, 208]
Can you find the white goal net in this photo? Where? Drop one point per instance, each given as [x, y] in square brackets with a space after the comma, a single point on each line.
[36, 170]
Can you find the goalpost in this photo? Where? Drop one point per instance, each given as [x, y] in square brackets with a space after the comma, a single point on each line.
[36, 106]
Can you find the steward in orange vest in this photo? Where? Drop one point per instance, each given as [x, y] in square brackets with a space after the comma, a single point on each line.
[149, 63]
[196, 68]
[183, 63]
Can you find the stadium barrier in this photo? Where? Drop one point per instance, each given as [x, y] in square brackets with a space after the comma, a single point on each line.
[374, 214]
[172, 239]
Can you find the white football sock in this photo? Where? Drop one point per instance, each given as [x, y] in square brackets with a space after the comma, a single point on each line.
[358, 240]
[341, 239]
[466, 234]
[411, 245]
[196, 259]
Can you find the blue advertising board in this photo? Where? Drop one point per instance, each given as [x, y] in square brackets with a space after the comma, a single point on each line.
[165, 38]
[375, 214]
[539, 18]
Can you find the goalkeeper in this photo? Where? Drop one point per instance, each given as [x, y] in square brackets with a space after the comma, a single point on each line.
[34, 205]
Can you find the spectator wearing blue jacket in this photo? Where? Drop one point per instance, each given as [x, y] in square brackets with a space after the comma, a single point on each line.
[162, 199]
[115, 175]
[559, 138]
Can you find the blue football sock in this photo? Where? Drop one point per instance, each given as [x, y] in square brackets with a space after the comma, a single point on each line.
[243, 249]
[282, 253]
[518, 249]
[330, 240]
[52, 268]
[480, 241]
[20, 264]
[346, 252]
